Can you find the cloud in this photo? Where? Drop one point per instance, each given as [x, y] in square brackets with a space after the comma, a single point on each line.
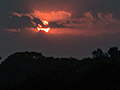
[52, 16]
[86, 24]
[56, 25]
[88, 21]
[61, 14]
[16, 22]
[12, 30]
[35, 20]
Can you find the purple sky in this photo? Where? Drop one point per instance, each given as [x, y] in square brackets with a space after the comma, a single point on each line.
[77, 26]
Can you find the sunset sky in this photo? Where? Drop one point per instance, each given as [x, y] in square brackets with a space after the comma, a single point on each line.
[77, 26]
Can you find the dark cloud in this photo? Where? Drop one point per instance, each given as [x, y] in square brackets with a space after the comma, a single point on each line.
[16, 22]
[20, 22]
[56, 25]
[51, 24]
[90, 22]
[38, 21]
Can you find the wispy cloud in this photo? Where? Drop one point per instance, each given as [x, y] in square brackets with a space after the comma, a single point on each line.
[12, 30]
[89, 21]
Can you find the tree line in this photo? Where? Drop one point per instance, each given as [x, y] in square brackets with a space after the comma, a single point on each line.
[34, 71]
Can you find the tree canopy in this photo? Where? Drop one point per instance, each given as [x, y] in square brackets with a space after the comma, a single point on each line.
[34, 71]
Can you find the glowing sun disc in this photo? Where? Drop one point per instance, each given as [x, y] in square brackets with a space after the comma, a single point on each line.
[45, 29]
[45, 22]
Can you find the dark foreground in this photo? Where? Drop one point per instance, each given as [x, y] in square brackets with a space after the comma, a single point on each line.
[33, 71]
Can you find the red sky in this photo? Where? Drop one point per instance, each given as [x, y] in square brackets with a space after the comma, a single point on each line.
[77, 26]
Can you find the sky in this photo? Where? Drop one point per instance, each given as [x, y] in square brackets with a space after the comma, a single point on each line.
[77, 26]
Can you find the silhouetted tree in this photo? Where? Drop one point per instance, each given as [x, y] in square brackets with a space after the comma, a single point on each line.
[32, 70]
[97, 53]
[0, 58]
[114, 52]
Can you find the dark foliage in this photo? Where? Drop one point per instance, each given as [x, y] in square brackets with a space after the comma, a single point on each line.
[0, 58]
[33, 71]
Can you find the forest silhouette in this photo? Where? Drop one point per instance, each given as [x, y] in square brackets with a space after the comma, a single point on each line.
[34, 71]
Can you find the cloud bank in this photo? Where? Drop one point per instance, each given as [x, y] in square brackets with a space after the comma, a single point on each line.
[76, 14]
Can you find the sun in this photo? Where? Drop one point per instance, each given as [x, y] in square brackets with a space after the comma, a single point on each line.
[45, 22]
[41, 28]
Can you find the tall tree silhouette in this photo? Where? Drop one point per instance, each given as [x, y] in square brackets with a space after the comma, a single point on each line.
[97, 53]
[114, 52]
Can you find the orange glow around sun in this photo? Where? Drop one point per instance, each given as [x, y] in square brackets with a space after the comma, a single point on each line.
[45, 29]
